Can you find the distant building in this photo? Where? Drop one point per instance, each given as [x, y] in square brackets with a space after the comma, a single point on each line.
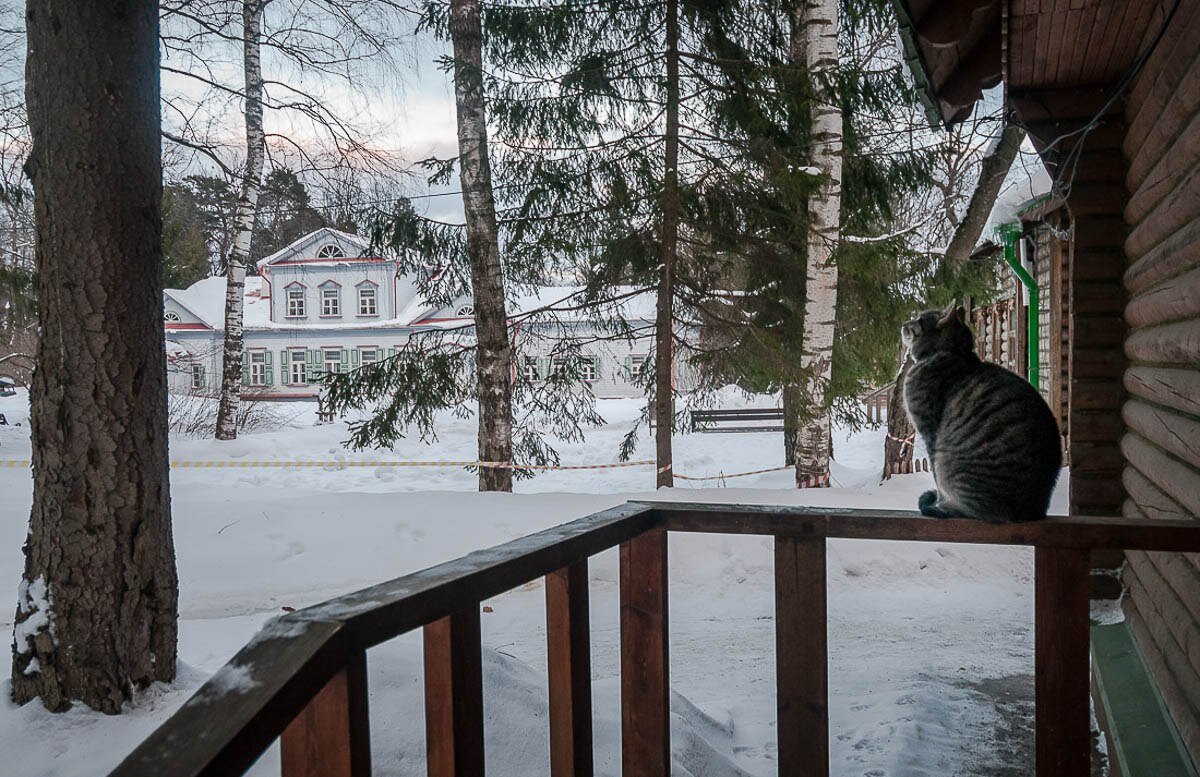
[323, 305]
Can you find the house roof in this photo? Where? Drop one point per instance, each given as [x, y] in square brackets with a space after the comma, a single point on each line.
[1052, 56]
[305, 249]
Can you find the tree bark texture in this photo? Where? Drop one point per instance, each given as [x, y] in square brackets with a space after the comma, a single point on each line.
[97, 605]
[901, 434]
[256, 149]
[664, 325]
[992, 173]
[493, 352]
[818, 37]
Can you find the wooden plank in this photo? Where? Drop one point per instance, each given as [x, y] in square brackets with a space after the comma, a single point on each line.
[1171, 476]
[1175, 433]
[381, 612]
[1169, 258]
[801, 656]
[1177, 343]
[216, 732]
[1055, 531]
[1063, 739]
[331, 735]
[645, 670]
[1174, 299]
[454, 695]
[568, 659]
[1151, 502]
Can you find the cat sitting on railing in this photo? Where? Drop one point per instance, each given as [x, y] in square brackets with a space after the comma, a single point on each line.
[992, 440]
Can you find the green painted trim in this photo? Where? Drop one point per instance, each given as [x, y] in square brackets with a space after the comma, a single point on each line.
[1009, 234]
[1144, 740]
[917, 66]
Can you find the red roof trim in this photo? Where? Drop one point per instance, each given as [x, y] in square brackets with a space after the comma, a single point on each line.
[331, 260]
[173, 325]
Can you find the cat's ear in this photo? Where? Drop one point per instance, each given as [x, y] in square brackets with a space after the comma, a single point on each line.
[950, 313]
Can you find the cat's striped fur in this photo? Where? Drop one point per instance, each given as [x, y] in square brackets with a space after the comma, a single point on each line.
[992, 440]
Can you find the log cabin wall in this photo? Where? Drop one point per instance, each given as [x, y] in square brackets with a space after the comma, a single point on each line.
[1161, 411]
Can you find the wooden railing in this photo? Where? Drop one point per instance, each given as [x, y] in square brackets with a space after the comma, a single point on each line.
[303, 678]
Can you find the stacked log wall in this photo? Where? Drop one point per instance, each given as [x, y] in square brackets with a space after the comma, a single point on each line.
[1161, 410]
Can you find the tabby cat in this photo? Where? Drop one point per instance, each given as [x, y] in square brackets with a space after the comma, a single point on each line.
[992, 440]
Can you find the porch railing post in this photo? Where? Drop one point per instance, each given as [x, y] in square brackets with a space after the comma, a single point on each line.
[331, 736]
[454, 695]
[801, 656]
[568, 657]
[645, 676]
[1061, 663]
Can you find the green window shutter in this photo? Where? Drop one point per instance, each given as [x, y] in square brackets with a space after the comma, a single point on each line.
[391, 352]
[285, 364]
[311, 365]
[543, 366]
[345, 361]
[268, 369]
[354, 358]
[629, 368]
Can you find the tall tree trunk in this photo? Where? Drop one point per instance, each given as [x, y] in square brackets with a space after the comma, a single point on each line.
[493, 353]
[792, 404]
[901, 434]
[818, 33]
[235, 283]
[992, 173]
[664, 328]
[96, 610]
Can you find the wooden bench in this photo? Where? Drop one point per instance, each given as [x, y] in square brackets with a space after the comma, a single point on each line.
[750, 419]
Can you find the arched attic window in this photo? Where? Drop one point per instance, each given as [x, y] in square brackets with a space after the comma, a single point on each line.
[170, 315]
[465, 311]
[330, 251]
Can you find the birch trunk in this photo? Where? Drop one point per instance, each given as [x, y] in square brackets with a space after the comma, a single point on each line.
[256, 148]
[96, 615]
[664, 326]
[818, 37]
[493, 353]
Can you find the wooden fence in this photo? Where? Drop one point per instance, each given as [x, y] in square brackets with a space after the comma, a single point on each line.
[307, 671]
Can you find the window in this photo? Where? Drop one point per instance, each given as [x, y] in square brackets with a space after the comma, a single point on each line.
[638, 366]
[587, 368]
[368, 356]
[330, 251]
[170, 315]
[197, 376]
[258, 368]
[531, 368]
[331, 301]
[332, 360]
[295, 303]
[367, 303]
[466, 311]
[297, 368]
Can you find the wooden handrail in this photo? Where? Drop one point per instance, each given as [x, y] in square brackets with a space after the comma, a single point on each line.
[304, 675]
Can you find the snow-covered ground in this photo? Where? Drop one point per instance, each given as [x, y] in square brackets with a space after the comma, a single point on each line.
[930, 645]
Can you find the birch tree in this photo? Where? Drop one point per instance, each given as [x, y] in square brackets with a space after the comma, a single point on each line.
[493, 354]
[96, 615]
[817, 47]
[251, 181]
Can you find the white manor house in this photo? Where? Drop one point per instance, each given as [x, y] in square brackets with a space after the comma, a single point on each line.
[323, 305]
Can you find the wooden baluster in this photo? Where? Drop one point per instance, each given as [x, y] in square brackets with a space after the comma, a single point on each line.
[1061, 667]
[568, 657]
[801, 656]
[454, 696]
[331, 737]
[645, 676]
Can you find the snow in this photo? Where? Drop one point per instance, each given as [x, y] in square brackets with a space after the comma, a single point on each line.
[930, 644]
[33, 602]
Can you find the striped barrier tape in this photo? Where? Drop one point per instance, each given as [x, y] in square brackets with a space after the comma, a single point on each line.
[813, 482]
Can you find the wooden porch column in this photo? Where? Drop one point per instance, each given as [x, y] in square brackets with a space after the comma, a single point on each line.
[331, 737]
[801, 656]
[1061, 662]
[454, 695]
[568, 656]
[645, 675]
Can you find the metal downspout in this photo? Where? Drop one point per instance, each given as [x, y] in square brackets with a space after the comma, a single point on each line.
[1009, 235]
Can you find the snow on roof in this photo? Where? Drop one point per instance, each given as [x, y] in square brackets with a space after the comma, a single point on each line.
[206, 298]
[565, 303]
[328, 233]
